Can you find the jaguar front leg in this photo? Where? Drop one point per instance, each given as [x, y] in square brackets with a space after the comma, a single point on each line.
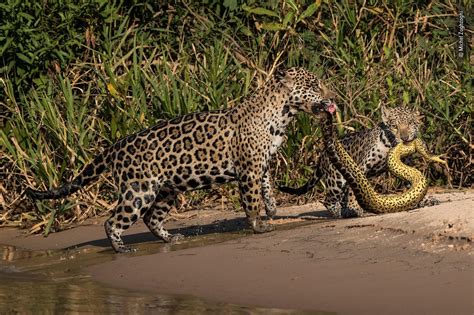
[427, 202]
[250, 186]
[350, 206]
[333, 200]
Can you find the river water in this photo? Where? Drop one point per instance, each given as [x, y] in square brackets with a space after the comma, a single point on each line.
[53, 281]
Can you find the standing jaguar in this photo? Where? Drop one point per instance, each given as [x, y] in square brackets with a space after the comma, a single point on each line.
[369, 148]
[150, 168]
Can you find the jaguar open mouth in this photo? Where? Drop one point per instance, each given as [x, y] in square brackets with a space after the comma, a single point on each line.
[324, 106]
[330, 108]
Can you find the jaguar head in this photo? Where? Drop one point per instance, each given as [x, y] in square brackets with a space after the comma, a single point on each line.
[307, 92]
[403, 122]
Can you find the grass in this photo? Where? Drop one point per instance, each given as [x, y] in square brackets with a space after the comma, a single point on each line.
[129, 65]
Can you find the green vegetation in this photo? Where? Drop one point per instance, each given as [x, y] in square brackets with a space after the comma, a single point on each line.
[77, 75]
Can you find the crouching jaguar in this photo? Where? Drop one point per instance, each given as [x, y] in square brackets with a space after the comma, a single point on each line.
[150, 168]
[369, 149]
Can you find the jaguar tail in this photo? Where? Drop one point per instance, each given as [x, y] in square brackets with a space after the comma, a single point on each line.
[306, 187]
[89, 174]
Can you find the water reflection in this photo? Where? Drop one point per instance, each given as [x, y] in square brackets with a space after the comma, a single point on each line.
[50, 281]
[27, 293]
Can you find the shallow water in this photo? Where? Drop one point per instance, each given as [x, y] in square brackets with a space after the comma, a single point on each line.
[26, 293]
[51, 281]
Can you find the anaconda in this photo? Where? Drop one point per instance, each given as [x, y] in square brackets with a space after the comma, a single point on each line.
[369, 199]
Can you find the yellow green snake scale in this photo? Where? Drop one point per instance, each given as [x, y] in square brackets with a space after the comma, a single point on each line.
[366, 196]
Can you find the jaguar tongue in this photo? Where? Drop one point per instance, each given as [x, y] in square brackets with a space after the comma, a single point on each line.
[331, 108]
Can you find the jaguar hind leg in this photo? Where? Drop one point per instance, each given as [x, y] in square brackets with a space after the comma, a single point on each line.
[114, 233]
[156, 215]
[124, 216]
[131, 206]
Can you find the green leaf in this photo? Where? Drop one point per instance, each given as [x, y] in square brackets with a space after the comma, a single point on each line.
[245, 30]
[273, 26]
[389, 83]
[259, 11]
[292, 4]
[6, 143]
[113, 127]
[326, 38]
[406, 97]
[310, 10]
[50, 222]
[6, 45]
[23, 57]
[288, 18]
[230, 4]
[26, 16]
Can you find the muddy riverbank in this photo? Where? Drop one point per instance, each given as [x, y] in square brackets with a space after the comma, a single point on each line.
[412, 262]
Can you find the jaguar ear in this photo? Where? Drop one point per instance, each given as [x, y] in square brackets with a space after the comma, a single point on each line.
[285, 77]
[280, 74]
[418, 116]
[385, 113]
[325, 91]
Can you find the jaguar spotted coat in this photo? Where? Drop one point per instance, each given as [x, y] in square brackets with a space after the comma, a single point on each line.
[196, 150]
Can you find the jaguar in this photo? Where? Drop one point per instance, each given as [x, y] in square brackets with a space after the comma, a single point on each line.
[367, 197]
[369, 149]
[151, 167]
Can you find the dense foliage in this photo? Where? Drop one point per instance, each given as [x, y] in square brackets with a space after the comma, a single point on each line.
[78, 75]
